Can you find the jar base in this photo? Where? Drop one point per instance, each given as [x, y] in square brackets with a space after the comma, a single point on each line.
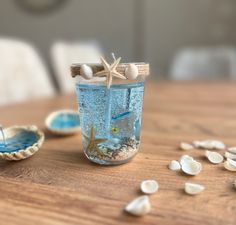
[122, 153]
[109, 163]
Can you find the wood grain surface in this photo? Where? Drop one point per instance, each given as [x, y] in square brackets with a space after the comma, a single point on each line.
[58, 185]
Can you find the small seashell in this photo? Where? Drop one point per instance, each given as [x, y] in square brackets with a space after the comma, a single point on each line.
[149, 186]
[197, 144]
[209, 144]
[185, 146]
[139, 206]
[86, 72]
[174, 165]
[218, 145]
[185, 158]
[230, 155]
[232, 150]
[191, 167]
[193, 189]
[214, 157]
[230, 165]
[131, 72]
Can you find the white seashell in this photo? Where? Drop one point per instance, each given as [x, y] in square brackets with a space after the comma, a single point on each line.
[149, 186]
[214, 157]
[131, 72]
[230, 155]
[191, 167]
[209, 144]
[218, 145]
[197, 144]
[139, 206]
[185, 158]
[185, 146]
[202, 144]
[174, 165]
[230, 164]
[193, 189]
[232, 150]
[86, 72]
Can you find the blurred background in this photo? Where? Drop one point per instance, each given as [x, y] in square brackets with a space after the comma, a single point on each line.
[182, 40]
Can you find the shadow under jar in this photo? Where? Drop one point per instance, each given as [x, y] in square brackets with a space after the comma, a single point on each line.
[111, 116]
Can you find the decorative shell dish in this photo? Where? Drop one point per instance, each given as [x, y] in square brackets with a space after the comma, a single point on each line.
[20, 142]
[63, 122]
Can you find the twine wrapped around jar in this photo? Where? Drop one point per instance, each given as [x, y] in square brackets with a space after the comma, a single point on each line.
[143, 68]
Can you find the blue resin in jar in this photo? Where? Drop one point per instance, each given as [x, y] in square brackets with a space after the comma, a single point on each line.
[110, 118]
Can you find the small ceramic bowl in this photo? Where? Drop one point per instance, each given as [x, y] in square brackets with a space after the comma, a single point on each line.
[21, 142]
[63, 122]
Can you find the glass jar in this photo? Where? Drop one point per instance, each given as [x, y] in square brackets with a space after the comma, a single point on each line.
[110, 118]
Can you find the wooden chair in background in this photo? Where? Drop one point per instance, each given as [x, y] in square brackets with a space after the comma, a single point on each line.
[23, 75]
[63, 54]
[208, 63]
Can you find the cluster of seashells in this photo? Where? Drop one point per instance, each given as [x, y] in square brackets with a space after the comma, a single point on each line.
[131, 72]
[192, 167]
[141, 206]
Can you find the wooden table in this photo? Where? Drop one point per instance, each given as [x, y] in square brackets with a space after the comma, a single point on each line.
[59, 185]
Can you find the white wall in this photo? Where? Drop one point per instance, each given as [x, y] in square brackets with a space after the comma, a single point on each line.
[150, 30]
[174, 24]
[107, 21]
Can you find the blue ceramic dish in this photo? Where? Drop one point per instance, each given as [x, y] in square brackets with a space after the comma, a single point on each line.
[63, 122]
[20, 142]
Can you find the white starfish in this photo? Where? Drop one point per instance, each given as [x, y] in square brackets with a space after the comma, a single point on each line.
[92, 143]
[110, 71]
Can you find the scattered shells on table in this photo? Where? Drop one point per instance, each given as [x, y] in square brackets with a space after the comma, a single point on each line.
[174, 165]
[214, 157]
[188, 165]
[230, 165]
[193, 189]
[149, 186]
[139, 206]
[209, 144]
[186, 146]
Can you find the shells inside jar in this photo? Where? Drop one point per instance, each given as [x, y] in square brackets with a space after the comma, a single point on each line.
[119, 153]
